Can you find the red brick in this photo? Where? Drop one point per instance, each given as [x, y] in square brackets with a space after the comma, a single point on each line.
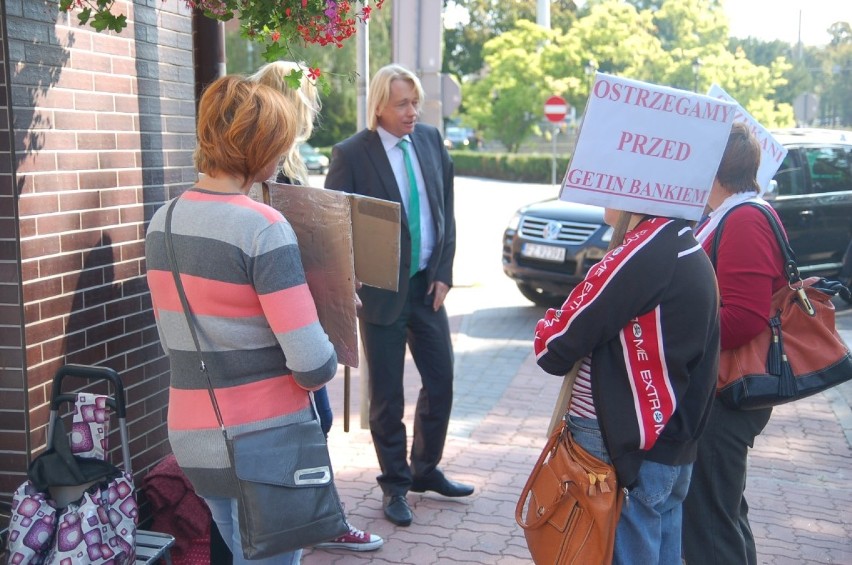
[88, 102]
[79, 200]
[112, 44]
[95, 141]
[38, 162]
[97, 179]
[118, 159]
[76, 241]
[100, 218]
[32, 205]
[57, 223]
[39, 247]
[38, 332]
[117, 122]
[52, 182]
[56, 306]
[63, 120]
[77, 161]
[119, 196]
[90, 61]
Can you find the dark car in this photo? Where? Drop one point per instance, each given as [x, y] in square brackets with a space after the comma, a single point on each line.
[548, 246]
[459, 138]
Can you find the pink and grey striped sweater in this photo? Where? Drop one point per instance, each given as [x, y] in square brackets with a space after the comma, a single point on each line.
[257, 323]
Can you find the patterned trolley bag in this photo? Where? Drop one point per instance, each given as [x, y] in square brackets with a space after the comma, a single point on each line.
[77, 507]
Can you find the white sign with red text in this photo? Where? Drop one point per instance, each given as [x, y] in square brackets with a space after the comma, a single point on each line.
[647, 148]
[771, 152]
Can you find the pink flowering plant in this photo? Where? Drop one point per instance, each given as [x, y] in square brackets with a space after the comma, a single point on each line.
[279, 24]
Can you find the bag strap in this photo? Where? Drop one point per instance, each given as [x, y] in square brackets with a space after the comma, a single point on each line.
[791, 270]
[190, 321]
[525, 493]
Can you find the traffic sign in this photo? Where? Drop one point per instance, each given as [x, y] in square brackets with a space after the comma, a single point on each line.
[555, 109]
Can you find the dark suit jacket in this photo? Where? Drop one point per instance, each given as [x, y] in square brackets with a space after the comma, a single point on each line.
[360, 165]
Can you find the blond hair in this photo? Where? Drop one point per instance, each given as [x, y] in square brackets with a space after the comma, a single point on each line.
[242, 126]
[380, 87]
[307, 103]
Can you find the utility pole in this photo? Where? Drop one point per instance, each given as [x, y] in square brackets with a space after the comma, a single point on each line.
[542, 13]
[416, 44]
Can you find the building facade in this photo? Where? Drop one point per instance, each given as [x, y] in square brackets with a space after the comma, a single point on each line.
[97, 131]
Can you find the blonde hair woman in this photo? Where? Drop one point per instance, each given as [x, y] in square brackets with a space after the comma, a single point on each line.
[305, 100]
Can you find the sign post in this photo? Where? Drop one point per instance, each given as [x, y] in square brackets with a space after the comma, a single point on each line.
[555, 110]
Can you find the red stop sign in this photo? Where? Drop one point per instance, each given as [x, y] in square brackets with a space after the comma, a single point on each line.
[555, 109]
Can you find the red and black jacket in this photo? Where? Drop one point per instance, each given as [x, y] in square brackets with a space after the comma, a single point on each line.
[648, 313]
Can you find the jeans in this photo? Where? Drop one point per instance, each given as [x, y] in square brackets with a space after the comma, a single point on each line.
[225, 515]
[649, 530]
[323, 409]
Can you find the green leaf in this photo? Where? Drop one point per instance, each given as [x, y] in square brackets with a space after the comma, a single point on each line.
[294, 79]
[275, 52]
[84, 15]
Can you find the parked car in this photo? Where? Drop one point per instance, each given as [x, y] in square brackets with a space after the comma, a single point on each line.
[315, 161]
[548, 246]
[459, 138]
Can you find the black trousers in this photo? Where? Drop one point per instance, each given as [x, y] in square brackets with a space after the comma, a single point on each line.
[715, 512]
[427, 334]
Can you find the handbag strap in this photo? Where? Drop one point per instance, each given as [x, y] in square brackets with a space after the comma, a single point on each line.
[190, 320]
[791, 270]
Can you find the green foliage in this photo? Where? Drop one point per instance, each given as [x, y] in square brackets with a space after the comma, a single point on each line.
[528, 167]
[681, 43]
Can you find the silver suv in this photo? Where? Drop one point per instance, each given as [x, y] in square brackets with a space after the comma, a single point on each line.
[548, 246]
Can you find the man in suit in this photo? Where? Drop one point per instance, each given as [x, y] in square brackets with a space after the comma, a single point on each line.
[397, 159]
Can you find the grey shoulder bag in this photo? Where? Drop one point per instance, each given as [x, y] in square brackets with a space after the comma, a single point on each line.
[287, 499]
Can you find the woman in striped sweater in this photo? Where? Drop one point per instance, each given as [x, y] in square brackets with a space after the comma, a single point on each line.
[242, 272]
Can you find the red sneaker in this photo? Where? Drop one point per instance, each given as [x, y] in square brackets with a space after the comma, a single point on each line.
[354, 540]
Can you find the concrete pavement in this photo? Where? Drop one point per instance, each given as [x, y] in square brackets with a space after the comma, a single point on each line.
[799, 487]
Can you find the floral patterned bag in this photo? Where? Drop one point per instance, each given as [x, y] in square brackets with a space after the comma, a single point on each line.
[75, 507]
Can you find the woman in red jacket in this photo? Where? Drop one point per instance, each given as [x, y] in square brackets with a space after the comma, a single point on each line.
[749, 269]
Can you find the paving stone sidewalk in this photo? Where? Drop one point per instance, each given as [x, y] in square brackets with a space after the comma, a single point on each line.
[799, 477]
[800, 474]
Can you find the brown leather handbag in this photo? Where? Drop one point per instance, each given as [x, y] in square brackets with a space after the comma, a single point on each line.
[798, 354]
[571, 503]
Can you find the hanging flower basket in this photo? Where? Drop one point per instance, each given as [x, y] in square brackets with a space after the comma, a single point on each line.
[278, 24]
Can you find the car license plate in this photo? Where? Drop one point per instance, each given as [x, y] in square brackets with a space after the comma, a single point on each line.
[543, 252]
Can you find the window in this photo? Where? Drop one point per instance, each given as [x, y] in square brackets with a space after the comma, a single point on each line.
[790, 176]
[830, 168]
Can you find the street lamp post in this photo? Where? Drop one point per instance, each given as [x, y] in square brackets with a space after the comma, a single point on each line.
[591, 67]
[696, 69]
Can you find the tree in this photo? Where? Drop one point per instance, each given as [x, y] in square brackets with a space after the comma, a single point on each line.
[507, 101]
[660, 44]
[486, 19]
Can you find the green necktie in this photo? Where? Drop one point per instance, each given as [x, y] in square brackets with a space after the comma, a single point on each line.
[413, 208]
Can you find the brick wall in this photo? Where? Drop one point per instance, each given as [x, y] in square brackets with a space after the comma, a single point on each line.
[103, 134]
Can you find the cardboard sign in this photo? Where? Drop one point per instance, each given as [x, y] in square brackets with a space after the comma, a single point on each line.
[341, 237]
[647, 148]
[772, 153]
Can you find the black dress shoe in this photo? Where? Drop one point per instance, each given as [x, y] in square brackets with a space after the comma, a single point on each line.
[443, 486]
[397, 509]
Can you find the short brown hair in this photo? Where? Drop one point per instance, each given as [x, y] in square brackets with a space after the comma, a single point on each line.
[738, 170]
[242, 126]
